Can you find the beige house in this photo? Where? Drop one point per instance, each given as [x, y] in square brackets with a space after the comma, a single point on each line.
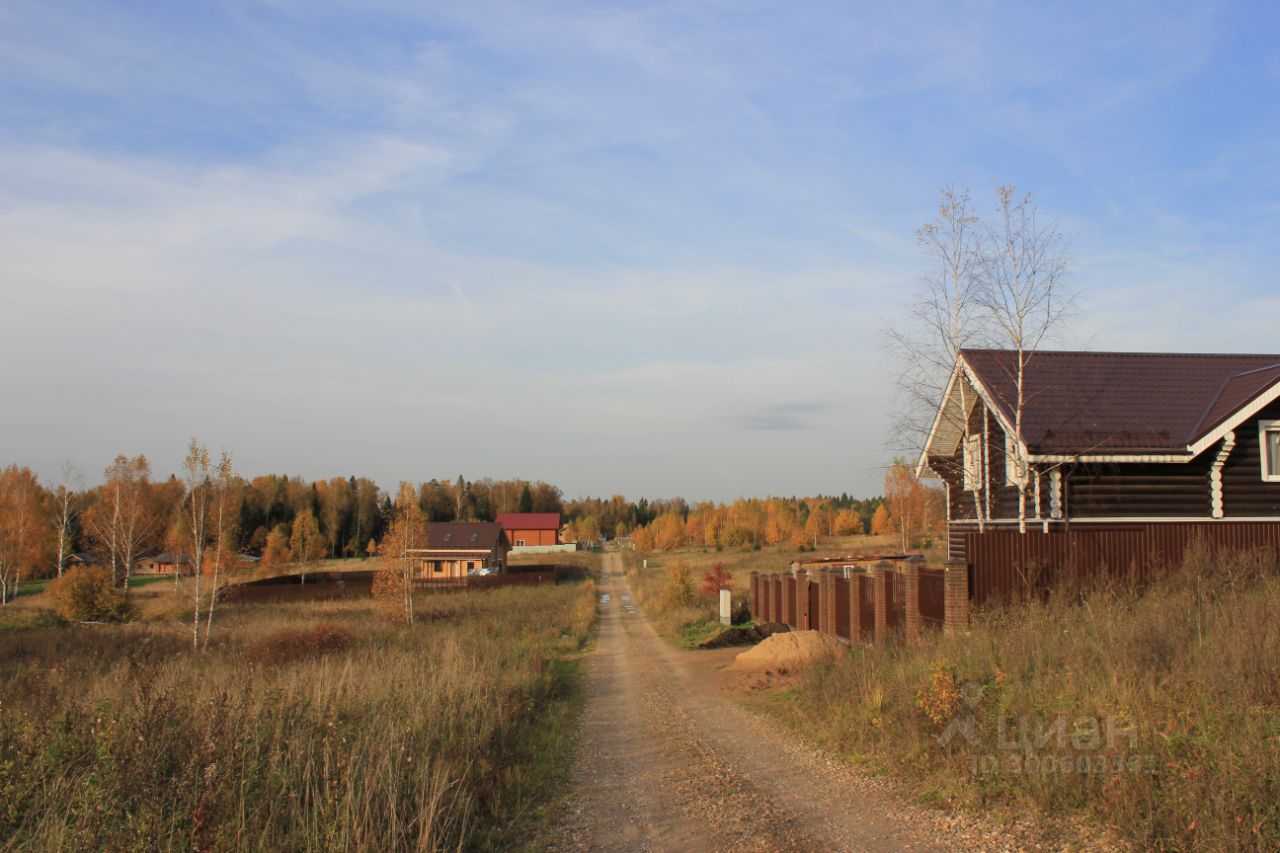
[457, 549]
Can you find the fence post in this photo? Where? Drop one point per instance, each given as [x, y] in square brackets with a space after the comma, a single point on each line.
[883, 597]
[802, 600]
[775, 598]
[788, 591]
[756, 609]
[911, 594]
[955, 596]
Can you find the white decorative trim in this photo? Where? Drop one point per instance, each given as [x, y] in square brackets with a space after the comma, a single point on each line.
[1215, 475]
[1055, 494]
[1265, 427]
[1113, 457]
[923, 465]
[1039, 514]
[1256, 405]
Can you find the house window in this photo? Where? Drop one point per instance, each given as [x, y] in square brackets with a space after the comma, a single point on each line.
[437, 567]
[972, 463]
[1014, 475]
[519, 543]
[1269, 434]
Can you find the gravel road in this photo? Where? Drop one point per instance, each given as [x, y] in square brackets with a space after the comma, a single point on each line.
[669, 760]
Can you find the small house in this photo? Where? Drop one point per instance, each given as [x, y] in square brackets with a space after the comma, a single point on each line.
[163, 564]
[1112, 460]
[457, 549]
[530, 529]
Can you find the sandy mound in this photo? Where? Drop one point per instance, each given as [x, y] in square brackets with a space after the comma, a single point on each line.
[790, 651]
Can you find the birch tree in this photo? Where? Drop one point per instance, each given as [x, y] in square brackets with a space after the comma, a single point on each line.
[1021, 269]
[195, 515]
[122, 521]
[305, 542]
[20, 510]
[393, 584]
[63, 498]
[946, 314]
[225, 548]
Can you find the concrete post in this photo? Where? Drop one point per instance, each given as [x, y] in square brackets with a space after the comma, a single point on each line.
[726, 607]
[911, 594]
[803, 615]
[884, 600]
[955, 596]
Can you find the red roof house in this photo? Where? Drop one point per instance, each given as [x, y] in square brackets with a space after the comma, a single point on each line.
[526, 529]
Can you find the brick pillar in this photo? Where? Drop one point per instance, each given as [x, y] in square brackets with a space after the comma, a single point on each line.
[757, 606]
[803, 615]
[787, 595]
[773, 597]
[956, 596]
[884, 600]
[911, 594]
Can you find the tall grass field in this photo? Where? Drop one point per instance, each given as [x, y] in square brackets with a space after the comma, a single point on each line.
[1154, 712]
[306, 726]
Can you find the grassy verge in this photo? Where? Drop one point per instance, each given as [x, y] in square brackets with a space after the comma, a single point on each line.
[306, 726]
[1157, 714]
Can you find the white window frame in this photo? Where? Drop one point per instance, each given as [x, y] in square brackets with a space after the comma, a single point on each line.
[1011, 463]
[972, 463]
[1264, 429]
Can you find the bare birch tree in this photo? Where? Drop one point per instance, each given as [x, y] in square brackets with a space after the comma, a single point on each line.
[121, 522]
[225, 549]
[407, 530]
[196, 519]
[1021, 270]
[63, 497]
[946, 315]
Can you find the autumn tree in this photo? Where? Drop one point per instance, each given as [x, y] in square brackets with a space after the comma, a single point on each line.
[305, 542]
[848, 523]
[123, 520]
[905, 502]
[407, 531]
[880, 523]
[275, 552]
[20, 524]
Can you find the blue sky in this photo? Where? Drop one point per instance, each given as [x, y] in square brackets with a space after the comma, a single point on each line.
[633, 247]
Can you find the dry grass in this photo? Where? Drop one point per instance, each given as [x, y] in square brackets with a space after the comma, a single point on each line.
[307, 726]
[1192, 665]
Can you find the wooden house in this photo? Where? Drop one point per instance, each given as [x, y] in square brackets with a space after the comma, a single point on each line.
[162, 564]
[457, 549]
[529, 529]
[1112, 460]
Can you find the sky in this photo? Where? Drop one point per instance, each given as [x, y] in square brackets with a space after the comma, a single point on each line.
[624, 247]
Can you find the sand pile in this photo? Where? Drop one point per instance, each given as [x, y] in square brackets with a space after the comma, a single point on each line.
[790, 651]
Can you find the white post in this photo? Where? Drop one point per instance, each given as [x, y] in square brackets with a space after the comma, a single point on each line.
[726, 607]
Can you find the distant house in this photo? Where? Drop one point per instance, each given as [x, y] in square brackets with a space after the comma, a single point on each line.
[163, 564]
[80, 560]
[456, 549]
[1123, 459]
[529, 529]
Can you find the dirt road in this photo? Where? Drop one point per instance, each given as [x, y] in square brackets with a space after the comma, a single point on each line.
[669, 761]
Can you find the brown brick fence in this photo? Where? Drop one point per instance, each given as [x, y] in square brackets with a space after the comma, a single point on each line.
[864, 603]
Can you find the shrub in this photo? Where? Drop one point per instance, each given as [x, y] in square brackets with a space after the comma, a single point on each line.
[292, 644]
[679, 590]
[87, 594]
[716, 579]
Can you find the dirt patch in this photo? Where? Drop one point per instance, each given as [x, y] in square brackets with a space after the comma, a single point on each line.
[738, 636]
[789, 652]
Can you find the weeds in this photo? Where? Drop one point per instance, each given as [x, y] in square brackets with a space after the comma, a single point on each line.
[452, 734]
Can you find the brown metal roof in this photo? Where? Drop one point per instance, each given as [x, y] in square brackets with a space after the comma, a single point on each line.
[1110, 402]
[529, 520]
[464, 535]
